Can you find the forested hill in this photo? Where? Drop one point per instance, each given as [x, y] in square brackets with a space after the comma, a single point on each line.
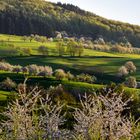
[24, 17]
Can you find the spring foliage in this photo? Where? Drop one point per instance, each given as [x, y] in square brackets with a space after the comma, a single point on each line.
[33, 116]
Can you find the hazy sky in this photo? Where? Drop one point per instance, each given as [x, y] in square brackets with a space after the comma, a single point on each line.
[122, 10]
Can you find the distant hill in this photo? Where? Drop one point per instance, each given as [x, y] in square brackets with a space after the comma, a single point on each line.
[24, 17]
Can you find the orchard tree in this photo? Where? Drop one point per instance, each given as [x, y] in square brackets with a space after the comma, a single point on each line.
[102, 118]
[41, 39]
[60, 48]
[45, 71]
[37, 38]
[60, 74]
[4, 66]
[24, 38]
[130, 66]
[86, 78]
[33, 69]
[31, 37]
[72, 47]
[17, 69]
[43, 50]
[59, 36]
[27, 51]
[8, 84]
[122, 71]
[80, 49]
[25, 70]
[70, 76]
[100, 41]
[131, 82]
[48, 70]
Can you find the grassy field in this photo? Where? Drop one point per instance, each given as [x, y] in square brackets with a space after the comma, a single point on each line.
[71, 87]
[104, 68]
[4, 95]
[102, 64]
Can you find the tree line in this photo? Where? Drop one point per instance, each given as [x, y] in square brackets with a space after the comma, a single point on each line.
[46, 71]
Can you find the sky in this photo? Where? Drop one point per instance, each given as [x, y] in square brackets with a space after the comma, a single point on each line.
[121, 10]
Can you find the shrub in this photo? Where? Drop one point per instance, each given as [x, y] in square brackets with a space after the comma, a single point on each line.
[17, 69]
[21, 88]
[25, 70]
[130, 66]
[105, 48]
[41, 39]
[100, 118]
[24, 123]
[120, 48]
[33, 69]
[100, 41]
[60, 94]
[24, 38]
[5, 66]
[34, 115]
[85, 78]
[70, 76]
[60, 74]
[48, 70]
[43, 50]
[45, 71]
[8, 84]
[27, 51]
[122, 71]
[31, 37]
[131, 82]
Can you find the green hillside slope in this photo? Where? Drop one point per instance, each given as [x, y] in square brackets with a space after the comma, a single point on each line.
[40, 17]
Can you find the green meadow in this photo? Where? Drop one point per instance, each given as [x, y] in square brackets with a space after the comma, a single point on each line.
[104, 65]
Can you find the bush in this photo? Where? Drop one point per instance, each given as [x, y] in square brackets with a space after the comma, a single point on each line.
[121, 49]
[17, 69]
[34, 115]
[130, 66]
[27, 51]
[60, 74]
[70, 76]
[33, 69]
[24, 38]
[122, 71]
[8, 84]
[100, 41]
[24, 123]
[5, 66]
[43, 50]
[100, 117]
[101, 48]
[45, 71]
[131, 82]
[41, 39]
[21, 88]
[85, 78]
[58, 94]
[25, 70]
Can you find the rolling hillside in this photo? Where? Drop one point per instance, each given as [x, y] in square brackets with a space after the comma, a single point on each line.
[25, 17]
[104, 65]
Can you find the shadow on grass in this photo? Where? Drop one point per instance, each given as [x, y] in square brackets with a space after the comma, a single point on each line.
[75, 65]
